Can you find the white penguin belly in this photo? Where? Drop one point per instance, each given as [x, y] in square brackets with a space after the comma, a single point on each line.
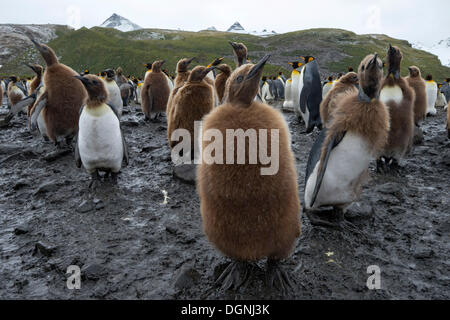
[394, 93]
[115, 99]
[295, 92]
[100, 140]
[431, 97]
[288, 95]
[347, 164]
[326, 88]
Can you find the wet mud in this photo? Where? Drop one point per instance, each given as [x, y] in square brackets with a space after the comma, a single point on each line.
[142, 239]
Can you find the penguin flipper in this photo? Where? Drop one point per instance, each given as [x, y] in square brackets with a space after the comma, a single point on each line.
[25, 102]
[333, 142]
[114, 110]
[22, 88]
[77, 155]
[126, 158]
[40, 104]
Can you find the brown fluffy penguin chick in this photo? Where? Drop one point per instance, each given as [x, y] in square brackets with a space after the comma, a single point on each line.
[356, 134]
[191, 103]
[62, 99]
[345, 86]
[240, 53]
[13, 92]
[417, 83]
[246, 215]
[399, 98]
[37, 79]
[221, 80]
[182, 76]
[155, 92]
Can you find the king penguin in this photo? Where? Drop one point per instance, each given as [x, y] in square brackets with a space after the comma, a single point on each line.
[62, 99]
[266, 95]
[432, 90]
[416, 82]
[441, 101]
[326, 88]
[310, 94]
[232, 217]
[15, 91]
[297, 71]
[221, 79]
[339, 159]
[114, 96]
[398, 96]
[288, 103]
[155, 93]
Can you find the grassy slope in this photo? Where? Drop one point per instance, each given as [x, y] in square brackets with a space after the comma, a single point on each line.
[335, 49]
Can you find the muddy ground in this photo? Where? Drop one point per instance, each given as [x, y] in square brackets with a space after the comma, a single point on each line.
[131, 244]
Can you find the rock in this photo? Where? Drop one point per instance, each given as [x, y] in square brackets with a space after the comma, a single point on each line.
[129, 123]
[52, 156]
[149, 148]
[423, 253]
[85, 206]
[186, 277]
[93, 271]
[359, 210]
[20, 184]
[45, 248]
[19, 230]
[186, 173]
[46, 187]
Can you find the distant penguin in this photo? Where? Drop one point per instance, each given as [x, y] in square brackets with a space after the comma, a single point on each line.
[398, 96]
[100, 143]
[281, 75]
[181, 78]
[221, 79]
[445, 89]
[139, 85]
[155, 93]
[232, 217]
[416, 83]
[432, 90]
[440, 100]
[114, 96]
[339, 160]
[310, 95]
[288, 103]
[149, 69]
[212, 73]
[266, 95]
[326, 88]
[62, 99]
[240, 53]
[210, 79]
[39, 91]
[36, 81]
[169, 81]
[296, 77]
[279, 87]
[15, 91]
[191, 103]
[345, 86]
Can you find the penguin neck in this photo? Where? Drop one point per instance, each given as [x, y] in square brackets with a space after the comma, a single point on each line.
[93, 103]
[50, 58]
[363, 97]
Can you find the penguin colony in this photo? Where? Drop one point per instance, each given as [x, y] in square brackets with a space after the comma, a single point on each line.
[362, 116]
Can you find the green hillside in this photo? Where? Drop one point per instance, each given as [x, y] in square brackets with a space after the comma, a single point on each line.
[99, 48]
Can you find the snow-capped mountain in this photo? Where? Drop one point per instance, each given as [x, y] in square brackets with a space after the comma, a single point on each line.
[211, 29]
[440, 49]
[120, 23]
[238, 28]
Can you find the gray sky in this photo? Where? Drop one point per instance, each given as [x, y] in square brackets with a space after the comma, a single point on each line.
[414, 20]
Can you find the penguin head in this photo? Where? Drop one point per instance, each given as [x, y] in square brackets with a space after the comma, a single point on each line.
[330, 79]
[156, 66]
[447, 80]
[216, 62]
[243, 84]
[224, 68]
[349, 78]
[350, 69]
[240, 51]
[13, 79]
[199, 73]
[119, 71]
[36, 68]
[95, 88]
[414, 72]
[295, 65]
[308, 59]
[393, 60]
[370, 73]
[183, 64]
[86, 71]
[47, 53]
[109, 74]
[264, 79]
[429, 77]
[148, 65]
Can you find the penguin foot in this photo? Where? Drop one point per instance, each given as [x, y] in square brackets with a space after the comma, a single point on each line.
[114, 177]
[277, 277]
[95, 180]
[387, 165]
[234, 275]
[316, 221]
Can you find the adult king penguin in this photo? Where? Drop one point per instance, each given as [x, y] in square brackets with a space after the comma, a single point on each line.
[432, 90]
[297, 70]
[62, 99]
[288, 103]
[155, 93]
[100, 143]
[398, 96]
[339, 160]
[326, 88]
[310, 95]
[231, 194]
[16, 91]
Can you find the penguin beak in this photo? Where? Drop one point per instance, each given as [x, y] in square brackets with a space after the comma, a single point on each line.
[257, 68]
[190, 60]
[373, 62]
[85, 81]
[163, 61]
[38, 45]
[233, 44]
[207, 70]
[31, 67]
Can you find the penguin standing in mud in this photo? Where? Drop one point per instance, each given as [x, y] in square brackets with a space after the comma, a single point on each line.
[339, 159]
[221, 80]
[155, 93]
[326, 88]
[114, 96]
[288, 103]
[231, 194]
[191, 103]
[445, 89]
[432, 90]
[266, 95]
[441, 101]
[181, 78]
[310, 93]
[279, 87]
[62, 99]
[416, 83]
[100, 143]
[295, 85]
[347, 85]
[398, 96]
[15, 92]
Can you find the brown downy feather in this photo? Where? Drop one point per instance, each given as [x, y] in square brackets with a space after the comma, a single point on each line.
[345, 86]
[221, 80]
[417, 83]
[13, 97]
[37, 79]
[231, 195]
[182, 76]
[156, 84]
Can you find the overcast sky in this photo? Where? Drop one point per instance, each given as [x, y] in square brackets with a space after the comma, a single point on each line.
[414, 20]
